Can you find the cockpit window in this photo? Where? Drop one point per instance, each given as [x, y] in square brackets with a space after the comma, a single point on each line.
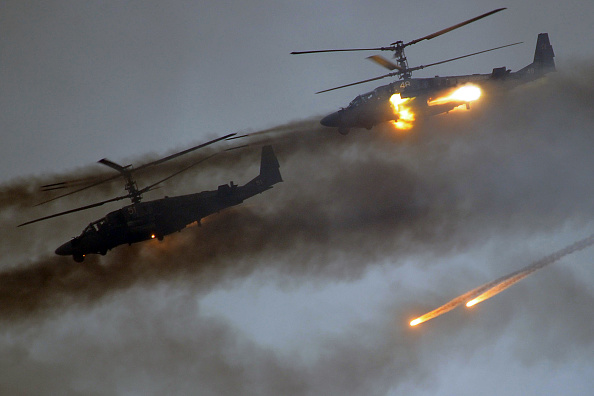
[356, 101]
[89, 229]
[94, 226]
[361, 99]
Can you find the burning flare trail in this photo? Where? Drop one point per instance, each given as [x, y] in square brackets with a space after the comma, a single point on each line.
[517, 276]
[490, 289]
[452, 303]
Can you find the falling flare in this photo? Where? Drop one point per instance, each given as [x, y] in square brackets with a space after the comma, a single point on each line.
[495, 287]
[451, 304]
[472, 302]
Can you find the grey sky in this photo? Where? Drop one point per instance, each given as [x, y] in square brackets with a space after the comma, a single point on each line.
[87, 80]
[308, 288]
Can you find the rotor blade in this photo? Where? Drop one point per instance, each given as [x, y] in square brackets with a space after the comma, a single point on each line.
[80, 189]
[343, 50]
[360, 82]
[52, 188]
[460, 57]
[238, 147]
[446, 30]
[113, 165]
[148, 188]
[66, 184]
[75, 210]
[172, 156]
[380, 60]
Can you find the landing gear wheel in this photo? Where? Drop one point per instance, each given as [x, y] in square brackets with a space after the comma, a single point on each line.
[343, 131]
[79, 258]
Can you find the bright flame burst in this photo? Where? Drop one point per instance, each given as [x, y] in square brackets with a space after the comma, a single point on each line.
[405, 115]
[473, 302]
[467, 93]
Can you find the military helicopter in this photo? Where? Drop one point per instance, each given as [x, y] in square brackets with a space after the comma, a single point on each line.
[375, 107]
[142, 221]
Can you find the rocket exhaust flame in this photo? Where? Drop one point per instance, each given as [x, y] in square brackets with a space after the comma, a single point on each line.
[465, 94]
[495, 287]
[403, 108]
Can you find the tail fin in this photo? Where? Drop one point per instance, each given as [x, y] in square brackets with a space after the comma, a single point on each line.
[544, 61]
[269, 167]
[543, 55]
[232, 194]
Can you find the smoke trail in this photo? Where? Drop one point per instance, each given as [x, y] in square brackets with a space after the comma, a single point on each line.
[492, 288]
[517, 276]
[348, 200]
[22, 194]
[228, 244]
[348, 205]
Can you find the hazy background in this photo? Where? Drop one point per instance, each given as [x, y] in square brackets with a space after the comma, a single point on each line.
[84, 81]
[308, 288]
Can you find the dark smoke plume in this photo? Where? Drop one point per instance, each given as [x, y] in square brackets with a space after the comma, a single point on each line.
[362, 197]
[512, 167]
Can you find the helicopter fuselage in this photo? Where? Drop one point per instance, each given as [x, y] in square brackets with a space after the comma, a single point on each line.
[372, 108]
[155, 219]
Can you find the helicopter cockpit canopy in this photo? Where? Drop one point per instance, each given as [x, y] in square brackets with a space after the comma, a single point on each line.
[361, 99]
[94, 226]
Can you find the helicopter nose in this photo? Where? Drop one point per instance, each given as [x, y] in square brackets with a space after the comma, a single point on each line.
[65, 249]
[331, 120]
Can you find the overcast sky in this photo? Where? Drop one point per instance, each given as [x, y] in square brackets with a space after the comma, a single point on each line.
[82, 81]
[308, 288]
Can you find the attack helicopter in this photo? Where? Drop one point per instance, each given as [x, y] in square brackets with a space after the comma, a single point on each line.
[141, 221]
[427, 96]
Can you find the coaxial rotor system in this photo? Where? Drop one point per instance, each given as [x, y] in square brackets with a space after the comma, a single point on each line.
[127, 172]
[400, 67]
